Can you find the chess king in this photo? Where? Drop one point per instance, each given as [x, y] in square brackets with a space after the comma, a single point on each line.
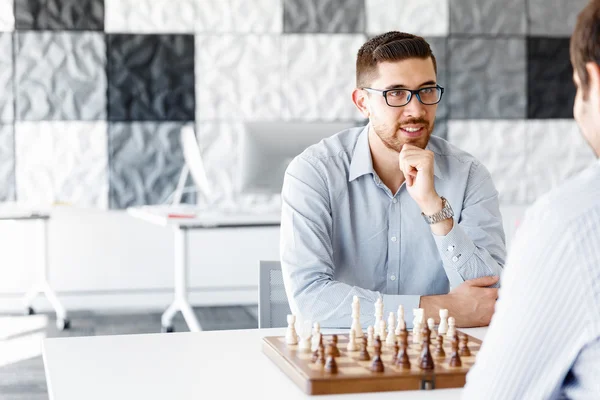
[388, 210]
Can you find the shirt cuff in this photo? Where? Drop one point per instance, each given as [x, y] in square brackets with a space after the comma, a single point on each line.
[391, 303]
[456, 248]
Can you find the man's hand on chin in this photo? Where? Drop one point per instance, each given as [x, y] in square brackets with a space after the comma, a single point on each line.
[471, 304]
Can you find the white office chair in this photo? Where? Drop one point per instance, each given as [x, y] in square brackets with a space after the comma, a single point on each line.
[273, 306]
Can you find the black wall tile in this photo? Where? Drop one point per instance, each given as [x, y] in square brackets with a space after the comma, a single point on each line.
[78, 15]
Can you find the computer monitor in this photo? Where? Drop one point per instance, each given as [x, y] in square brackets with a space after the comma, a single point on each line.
[266, 149]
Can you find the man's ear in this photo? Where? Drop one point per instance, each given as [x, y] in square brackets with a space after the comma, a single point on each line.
[593, 71]
[361, 101]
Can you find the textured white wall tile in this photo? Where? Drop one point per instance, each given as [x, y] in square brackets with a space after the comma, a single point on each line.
[7, 16]
[150, 16]
[256, 16]
[238, 77]
[501, 146]
[62, 162]
[6, 78]
[556, 150]
[320, 76]
[419, 17]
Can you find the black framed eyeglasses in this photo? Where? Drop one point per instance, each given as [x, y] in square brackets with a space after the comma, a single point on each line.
[400, 97]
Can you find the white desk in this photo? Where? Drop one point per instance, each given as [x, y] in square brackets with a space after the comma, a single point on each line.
[181, 219]
[10, 212]
[182, 366]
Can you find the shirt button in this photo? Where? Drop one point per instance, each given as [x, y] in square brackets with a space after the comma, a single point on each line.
[455, 258]
[394, 238]
[450, 248]
[393, 277]
[394, 200]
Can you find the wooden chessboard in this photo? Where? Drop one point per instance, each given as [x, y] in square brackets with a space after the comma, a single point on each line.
[355, 376]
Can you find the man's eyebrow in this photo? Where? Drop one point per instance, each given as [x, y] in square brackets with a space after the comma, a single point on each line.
[402, 86]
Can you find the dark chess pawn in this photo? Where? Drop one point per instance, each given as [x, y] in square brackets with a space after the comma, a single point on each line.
[439, 347]
[321, 355]
[455, 357]
[403, 335]
[395, 354]
[315, 355]
[364, 354]
[403, 360]
[464, 346]
[330, 364]
[377, 365]
[426, 361]
[334, 341]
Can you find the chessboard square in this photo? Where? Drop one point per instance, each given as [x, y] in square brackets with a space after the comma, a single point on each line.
[323, 16]
[419, 17]
[553, 17]
[150, 77]
[547, 142]
[79, 15]
[239, 78]
[320, 76]
[145, 163]
[6, 78]
[550, 87]
[473, 94]
[60, 76]
[7, 163]
[491, 17]
[62, 161]
[150, 16]
[500, 145]
[7, 16]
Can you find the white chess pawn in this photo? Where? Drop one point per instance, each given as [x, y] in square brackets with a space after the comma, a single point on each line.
[443, 328]
[431, 326]
[356, 318]
[370, 336]
[352, 346]
[305, 345]
[391, 337]
[290, 334]
[451, 327]
[401, 323]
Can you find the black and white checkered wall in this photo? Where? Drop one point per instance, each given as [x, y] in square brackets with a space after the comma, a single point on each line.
[94, 92]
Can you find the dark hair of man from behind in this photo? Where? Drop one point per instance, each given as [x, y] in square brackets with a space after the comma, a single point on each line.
[585, 42]
[390, 46]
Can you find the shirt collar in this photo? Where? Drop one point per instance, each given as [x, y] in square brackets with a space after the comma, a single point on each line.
[362, 163]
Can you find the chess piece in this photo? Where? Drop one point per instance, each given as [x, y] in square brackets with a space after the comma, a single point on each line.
[377, 364]
[404, 336]
[439, 347]
[451, 327]
[417, 325]
[391, 336]
[330, 364]
[443, 327]
[425, 360]
[358, 333]
[321, 355]
[291, 337]
[352, 346]
[381, 332]
[305, 346]
[334, 341]
[402, 360]
[378, 315]
[315, 355]
[364, 354]
[316, 336]
[395, 353]
[401, 323]
[431, 325]
[370, 335]
[463, 346]
[455, 357]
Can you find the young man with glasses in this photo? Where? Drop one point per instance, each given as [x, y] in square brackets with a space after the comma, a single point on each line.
[389, 210]
[544, 339]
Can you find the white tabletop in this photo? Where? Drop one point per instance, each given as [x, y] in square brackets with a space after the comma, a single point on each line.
[17, 211]
[182, 366]
[192, 217]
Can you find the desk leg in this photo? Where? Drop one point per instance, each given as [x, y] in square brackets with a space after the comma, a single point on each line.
[180, 303]
[42, 285]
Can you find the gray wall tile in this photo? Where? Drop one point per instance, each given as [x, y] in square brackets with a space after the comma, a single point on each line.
[7, 113]
[439, 47]
[323, 16]
[82, 15]
[60, 76]
[553, 17]
[7, 163]
[145, 162]
[506, 17]
[487, 78]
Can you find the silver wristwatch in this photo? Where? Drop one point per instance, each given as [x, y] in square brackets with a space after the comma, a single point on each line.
[445, 213]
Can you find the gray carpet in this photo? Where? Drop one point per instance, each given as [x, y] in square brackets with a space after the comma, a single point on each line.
[25, 380]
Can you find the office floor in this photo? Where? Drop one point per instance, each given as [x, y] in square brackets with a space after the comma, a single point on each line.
[25, 380]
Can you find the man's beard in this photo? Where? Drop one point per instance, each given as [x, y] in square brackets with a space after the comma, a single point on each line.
[390, 136]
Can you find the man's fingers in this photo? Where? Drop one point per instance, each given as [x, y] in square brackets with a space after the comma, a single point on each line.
[483, 281]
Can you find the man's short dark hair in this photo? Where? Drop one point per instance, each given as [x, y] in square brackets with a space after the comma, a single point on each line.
[390, 46]
[585, 42]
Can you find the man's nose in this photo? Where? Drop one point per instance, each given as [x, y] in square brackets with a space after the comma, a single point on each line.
[414, 108]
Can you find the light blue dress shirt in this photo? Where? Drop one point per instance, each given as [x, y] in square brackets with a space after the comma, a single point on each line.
[344, 233]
